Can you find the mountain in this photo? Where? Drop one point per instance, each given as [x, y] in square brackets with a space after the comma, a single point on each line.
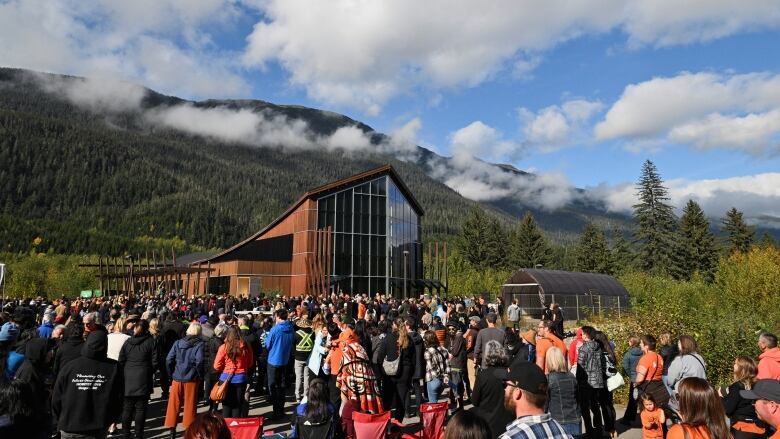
[124, 169]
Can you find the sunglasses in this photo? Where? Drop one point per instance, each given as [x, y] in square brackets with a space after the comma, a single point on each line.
[510, 384]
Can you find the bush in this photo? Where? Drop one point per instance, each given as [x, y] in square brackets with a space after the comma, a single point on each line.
[724, 317]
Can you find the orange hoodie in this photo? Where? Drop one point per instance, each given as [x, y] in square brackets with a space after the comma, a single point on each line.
[769, 364]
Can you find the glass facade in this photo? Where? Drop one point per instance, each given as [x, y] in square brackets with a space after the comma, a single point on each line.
[373, 225]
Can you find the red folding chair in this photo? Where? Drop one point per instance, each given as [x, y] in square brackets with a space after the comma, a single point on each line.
[369, 426]
[432, 417]
[245, 428]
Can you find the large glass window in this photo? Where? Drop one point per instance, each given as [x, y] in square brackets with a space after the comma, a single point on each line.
[373, 225]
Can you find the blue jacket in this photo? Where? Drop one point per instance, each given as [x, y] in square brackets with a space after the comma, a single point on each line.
[280, 343]
[630, 360]
[45, 330]
[185, 360]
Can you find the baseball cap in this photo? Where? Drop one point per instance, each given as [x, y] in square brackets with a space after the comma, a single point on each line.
[763, 389]
[527, 376]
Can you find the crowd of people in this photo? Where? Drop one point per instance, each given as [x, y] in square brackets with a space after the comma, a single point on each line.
[87, 368]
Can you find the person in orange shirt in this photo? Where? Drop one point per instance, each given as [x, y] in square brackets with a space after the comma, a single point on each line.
[547, 339]
[361, 309]
[653, 418]
[766, 394]
[701, 412]
[334, 357]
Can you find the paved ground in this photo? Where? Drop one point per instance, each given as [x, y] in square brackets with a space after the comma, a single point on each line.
[259, 407]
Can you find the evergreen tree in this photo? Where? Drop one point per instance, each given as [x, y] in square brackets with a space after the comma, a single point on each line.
[473, 239]
[529, 246]
[767, 241]
[740, 235]
[593, 253]
[655, 223]
[622, 256]
[696, 244]
[496, 245]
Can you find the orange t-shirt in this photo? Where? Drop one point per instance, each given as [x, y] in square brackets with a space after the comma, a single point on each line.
[651, 424]
[545, 343]
[654, 364]
[678, 432]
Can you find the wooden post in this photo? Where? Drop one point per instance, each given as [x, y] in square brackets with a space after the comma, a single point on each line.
[187, 285]
[148, 277]
[437, 271]
[208, 276]
[197, 279]
[330, 259]
[100, 273]
[165, 271]
[446, 271]
[176, 274]
[429, 263]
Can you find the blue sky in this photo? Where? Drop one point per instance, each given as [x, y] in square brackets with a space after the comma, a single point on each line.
[579, 92]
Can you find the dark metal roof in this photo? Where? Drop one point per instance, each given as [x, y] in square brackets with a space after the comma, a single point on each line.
[569, 282]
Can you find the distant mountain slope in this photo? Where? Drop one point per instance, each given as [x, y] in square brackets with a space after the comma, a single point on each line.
[87, 180]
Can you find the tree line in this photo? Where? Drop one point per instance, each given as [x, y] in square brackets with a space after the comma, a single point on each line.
[659, 243]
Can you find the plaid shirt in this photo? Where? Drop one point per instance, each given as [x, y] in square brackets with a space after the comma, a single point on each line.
[535, 427]
[437, 363]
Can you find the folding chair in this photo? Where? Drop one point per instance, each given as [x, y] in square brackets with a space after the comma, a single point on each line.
[245, 428]
[306, 429]
[368, 426]
[432, 417]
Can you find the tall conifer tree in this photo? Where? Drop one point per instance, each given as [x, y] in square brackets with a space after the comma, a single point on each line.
[529, 246]
[622, 256]
[696, 244]
[739, 235]
[655, 223]
[593, 253]
[472, 241]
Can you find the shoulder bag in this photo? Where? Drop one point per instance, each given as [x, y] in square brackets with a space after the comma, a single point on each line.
[219, 390]
[391, 367]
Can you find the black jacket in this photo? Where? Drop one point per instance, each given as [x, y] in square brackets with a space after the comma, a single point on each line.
[69, 350]
[488, 400]
[88, 393]
[172, 331]
[138, 361]
[388, 351]
[419, 355]
[736, 407]
[210, 347]
[458, 352]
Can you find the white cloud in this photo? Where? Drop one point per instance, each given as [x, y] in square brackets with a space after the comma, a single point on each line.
[362, 54]
[556, 126]
[758, 196]
[160, 43]
[671, 22]
[480, 140]
[704, 110]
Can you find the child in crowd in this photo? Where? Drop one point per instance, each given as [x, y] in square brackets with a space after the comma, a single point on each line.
[653, 418]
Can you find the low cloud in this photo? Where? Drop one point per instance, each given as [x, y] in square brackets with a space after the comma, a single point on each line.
[236, 125]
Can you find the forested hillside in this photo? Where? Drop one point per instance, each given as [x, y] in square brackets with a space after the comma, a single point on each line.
[87, 182]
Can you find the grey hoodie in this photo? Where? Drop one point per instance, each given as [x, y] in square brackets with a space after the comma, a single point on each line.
[630, 360]
[591, 365]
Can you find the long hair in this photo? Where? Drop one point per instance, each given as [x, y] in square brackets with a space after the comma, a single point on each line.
[233, 342]
[317, 401]
[606, 346]
[403, 335]
[745, 371]
[700, 406]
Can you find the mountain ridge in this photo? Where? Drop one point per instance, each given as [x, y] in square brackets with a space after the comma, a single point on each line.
[115, 176]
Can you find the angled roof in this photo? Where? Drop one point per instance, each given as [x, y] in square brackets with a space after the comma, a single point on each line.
[324, 190]
[568, 282]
